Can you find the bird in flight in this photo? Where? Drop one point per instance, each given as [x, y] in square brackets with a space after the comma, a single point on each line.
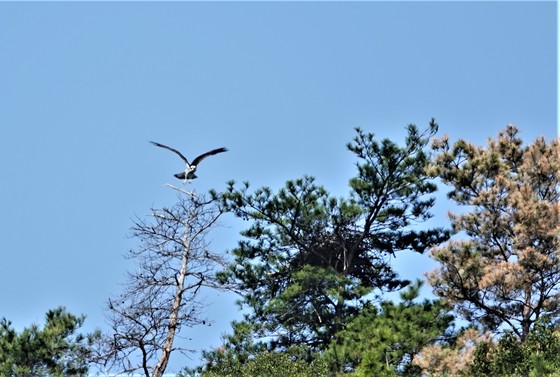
[190, 168]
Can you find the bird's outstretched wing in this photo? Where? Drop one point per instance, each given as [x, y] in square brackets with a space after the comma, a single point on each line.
[197, 160]
[172, 150]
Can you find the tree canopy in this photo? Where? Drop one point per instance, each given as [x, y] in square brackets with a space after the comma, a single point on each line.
[310, 262]
[382, 340]
[504, 269]
[56, 349]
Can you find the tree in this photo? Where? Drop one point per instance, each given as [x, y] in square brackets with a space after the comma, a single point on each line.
[162, 296]
[54, 350]
[473, 354]
[383, 341]
[265, 364]
[537, 356]
[310, 261]
[453, 357]
[504, 271]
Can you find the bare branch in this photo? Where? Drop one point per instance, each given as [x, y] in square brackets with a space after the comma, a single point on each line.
[161, 298]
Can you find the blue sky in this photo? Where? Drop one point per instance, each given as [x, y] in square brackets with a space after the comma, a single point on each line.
[85, 86]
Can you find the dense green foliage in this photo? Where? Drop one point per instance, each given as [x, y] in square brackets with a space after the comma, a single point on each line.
[537, 356]
[265, 364]
[381, 341]
[54, 350]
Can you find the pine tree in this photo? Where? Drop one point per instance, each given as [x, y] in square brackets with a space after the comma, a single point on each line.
[309, 261]
[54, 350]
[503, 270]
[382, 341]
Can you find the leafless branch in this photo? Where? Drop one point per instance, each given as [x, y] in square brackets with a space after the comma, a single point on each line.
[161, 298]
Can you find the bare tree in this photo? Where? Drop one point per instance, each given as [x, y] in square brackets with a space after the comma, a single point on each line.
[163, 295]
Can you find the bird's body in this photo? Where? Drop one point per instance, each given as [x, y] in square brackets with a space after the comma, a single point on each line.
[190, 168]
[186, 175]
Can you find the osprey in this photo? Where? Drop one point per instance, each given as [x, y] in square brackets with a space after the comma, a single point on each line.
[190, 169]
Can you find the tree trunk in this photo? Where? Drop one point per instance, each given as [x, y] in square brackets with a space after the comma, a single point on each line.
[161, 366]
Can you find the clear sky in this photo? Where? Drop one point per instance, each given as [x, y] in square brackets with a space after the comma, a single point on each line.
[85, 86]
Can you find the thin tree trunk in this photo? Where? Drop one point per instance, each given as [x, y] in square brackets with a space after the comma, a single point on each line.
[161, 366]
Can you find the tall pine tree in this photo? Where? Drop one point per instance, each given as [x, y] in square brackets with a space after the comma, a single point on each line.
[504, 271]
[309, 261]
